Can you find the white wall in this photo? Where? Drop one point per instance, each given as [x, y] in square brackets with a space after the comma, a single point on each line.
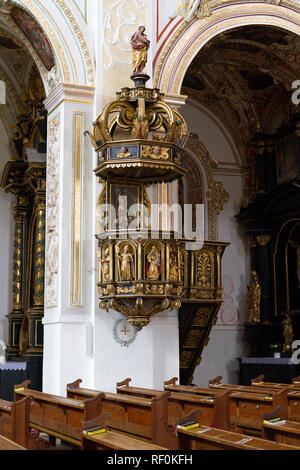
[226, 344]
[150, 360]
[226, 338]
[6, 238]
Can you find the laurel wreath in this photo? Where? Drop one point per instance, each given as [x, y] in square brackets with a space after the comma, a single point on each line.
[117, 337]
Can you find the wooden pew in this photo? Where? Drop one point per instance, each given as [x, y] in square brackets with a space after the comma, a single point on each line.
[246, 409]
[216, 384]
[294, 405]
[215, 407]
[145, 418]
[282, 431]
[57, 416]
[111, 440]
[259, 382]
[206, 438]
[5, 443]
[293, 396]
[171, 386]
[296, 381]
[15, 419]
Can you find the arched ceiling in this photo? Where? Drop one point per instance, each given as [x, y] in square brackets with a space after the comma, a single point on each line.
[244, 77]
[17, 69]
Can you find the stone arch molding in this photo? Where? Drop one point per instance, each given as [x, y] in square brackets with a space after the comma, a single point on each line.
[73, 59]
[189, 38]
[215, 196]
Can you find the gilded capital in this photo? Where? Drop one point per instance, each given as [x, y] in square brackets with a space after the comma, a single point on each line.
[263, 240]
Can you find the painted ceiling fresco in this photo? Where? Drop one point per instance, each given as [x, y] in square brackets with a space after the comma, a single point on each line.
[35, 35]
[17, 67]
[244, 77]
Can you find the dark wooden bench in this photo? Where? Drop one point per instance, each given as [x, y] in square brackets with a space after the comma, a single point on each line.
[57, 416]
[145, 418]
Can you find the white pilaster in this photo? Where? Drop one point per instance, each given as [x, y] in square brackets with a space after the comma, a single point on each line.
[70, 283]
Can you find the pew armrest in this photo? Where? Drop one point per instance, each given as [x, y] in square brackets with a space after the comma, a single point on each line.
[215, 381]
[124, 383]
[171, 381]
[75, 384]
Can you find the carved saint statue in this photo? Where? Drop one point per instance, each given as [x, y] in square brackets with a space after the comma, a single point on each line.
[154, 264]
[140, 46]
[253, 301]
[287, 333]
[173, 267]
[105, 264]
[126, 264]
[297, 248]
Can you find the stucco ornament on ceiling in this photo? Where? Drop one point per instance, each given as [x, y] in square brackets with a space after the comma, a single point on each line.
[191, 9]
[120, 22]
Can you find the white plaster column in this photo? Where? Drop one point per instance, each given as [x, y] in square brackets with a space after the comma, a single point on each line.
[70, 244]
[149, 360]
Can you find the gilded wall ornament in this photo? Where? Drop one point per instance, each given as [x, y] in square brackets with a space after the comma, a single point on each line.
[221, 196]
[156, 152]
[201, 317]
[193, 339]
[263, 240]
[204, 270]
[185, 359]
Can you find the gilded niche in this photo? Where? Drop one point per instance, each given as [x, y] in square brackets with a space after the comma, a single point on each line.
[153, 263]
[125, 257]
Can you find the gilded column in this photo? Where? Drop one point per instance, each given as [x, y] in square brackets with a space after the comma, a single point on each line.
[20, 213]
[31, 335]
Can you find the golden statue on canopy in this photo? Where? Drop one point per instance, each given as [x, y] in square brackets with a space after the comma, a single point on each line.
[140, 46]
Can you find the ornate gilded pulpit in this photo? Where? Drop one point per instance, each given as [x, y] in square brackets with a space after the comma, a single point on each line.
[144, 268]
